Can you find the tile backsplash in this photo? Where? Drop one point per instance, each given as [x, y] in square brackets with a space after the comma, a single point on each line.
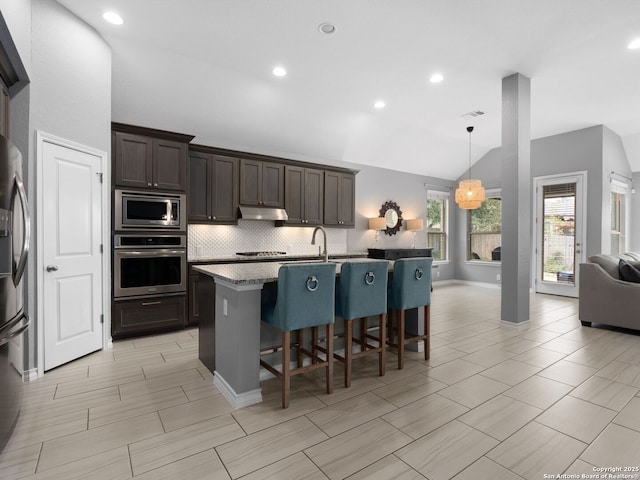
[207, 241]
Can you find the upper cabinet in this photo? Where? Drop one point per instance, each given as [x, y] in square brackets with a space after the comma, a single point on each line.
[213, 188]
[304, 195]
[261, 183]
[339, 199]
[148, 158]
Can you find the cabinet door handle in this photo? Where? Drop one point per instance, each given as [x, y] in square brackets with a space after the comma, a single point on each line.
[209, 217]
[215, 217]
[149, 184]
[144, 304]
[155, 184]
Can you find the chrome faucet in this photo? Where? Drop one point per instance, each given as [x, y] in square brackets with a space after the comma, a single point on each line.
[313, 241]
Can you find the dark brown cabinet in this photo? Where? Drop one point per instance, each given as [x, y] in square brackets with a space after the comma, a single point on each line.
[148, 158]
[304, 195]
[193, 311]
[148, 315]
[261, 183]
[339, 199]
[213, 188]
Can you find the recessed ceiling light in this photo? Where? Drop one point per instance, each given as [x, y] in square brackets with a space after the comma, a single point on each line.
[279, 72]
[327, 28]
[113, 17]
[436, 78]
[634, 45]
[379, 104]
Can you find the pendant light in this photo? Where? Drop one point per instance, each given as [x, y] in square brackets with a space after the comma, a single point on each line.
[470, 193]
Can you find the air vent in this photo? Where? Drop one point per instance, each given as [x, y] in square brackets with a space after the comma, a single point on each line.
[475, 113]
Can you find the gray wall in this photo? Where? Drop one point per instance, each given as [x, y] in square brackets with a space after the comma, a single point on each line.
[374, 187]
[70, 96]
[634, 230]
[580, 150]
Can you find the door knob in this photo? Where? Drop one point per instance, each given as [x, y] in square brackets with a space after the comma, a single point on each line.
[52, 268]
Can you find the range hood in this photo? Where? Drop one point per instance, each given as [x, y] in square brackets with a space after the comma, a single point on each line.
[262, 213]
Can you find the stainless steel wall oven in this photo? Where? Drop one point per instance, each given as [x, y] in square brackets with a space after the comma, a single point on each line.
[149, 265]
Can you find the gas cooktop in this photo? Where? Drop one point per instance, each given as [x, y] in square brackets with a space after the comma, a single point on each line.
[260, 254]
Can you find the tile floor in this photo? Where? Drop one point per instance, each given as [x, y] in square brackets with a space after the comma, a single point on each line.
[492, 403]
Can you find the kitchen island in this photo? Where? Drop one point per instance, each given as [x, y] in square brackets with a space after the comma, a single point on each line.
[236, 320]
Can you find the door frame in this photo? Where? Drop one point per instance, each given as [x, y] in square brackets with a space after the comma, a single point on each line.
[105, 167]
[538, 235]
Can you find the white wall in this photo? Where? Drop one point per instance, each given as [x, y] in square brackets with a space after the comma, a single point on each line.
[634, 230]
[70, 96]
[580, 150]
[17, 15]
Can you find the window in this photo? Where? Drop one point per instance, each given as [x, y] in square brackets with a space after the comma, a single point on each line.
[485, 229]
[437, 211]
[618, 212]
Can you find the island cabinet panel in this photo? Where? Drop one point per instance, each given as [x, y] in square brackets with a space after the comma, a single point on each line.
[339, 199]
[148, 315]
[205, 305]
[304, 195]
[213, 188]
[261, 183]
[148, 158]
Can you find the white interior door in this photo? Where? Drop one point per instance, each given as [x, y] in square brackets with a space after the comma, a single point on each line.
[560, 233]
[72, 260]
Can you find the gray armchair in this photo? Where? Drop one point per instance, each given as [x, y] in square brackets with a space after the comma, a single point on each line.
[606, 299]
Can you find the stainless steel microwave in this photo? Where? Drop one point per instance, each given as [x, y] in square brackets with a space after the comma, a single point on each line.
[142, 211]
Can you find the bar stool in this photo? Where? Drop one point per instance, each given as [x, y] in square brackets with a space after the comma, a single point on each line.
[361, 291]
[410, 288]
[305, 298]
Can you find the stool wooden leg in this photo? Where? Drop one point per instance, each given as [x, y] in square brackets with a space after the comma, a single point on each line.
[286, 374]
[348, 344]
[427, 332]
[382, 341]
[329, 358]
[401, 339]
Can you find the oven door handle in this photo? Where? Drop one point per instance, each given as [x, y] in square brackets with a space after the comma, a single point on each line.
[149, 253]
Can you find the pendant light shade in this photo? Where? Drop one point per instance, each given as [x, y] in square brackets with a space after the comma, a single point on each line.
[470, 193]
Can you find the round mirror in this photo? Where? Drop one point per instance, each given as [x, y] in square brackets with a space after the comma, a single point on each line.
[392, 217]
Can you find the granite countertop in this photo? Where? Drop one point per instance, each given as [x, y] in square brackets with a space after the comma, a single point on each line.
[287, 257]
[261, 272]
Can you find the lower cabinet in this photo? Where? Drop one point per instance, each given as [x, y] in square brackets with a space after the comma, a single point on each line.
[147, 315]
[205, 297]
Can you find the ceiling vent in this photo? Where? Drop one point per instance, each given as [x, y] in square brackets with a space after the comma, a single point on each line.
[474, 114]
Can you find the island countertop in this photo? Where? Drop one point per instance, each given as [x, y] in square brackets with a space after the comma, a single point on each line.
[262, 272]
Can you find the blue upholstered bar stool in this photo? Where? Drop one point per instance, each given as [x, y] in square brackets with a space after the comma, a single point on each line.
[410, 288]
[361, 292]
[305, 298]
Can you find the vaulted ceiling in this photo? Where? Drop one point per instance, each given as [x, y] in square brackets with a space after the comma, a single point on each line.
[204, 67]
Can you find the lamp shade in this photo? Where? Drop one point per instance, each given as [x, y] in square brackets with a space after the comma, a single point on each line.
[415, 224]
[377, 223]
[470, 194]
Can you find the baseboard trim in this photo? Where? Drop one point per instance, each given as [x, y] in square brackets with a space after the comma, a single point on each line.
[30, 375]
[519, 326]
[236, 400]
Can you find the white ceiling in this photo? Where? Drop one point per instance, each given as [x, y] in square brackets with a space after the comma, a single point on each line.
[204, 67]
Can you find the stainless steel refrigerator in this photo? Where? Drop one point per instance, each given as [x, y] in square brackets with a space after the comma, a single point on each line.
[14, 248]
